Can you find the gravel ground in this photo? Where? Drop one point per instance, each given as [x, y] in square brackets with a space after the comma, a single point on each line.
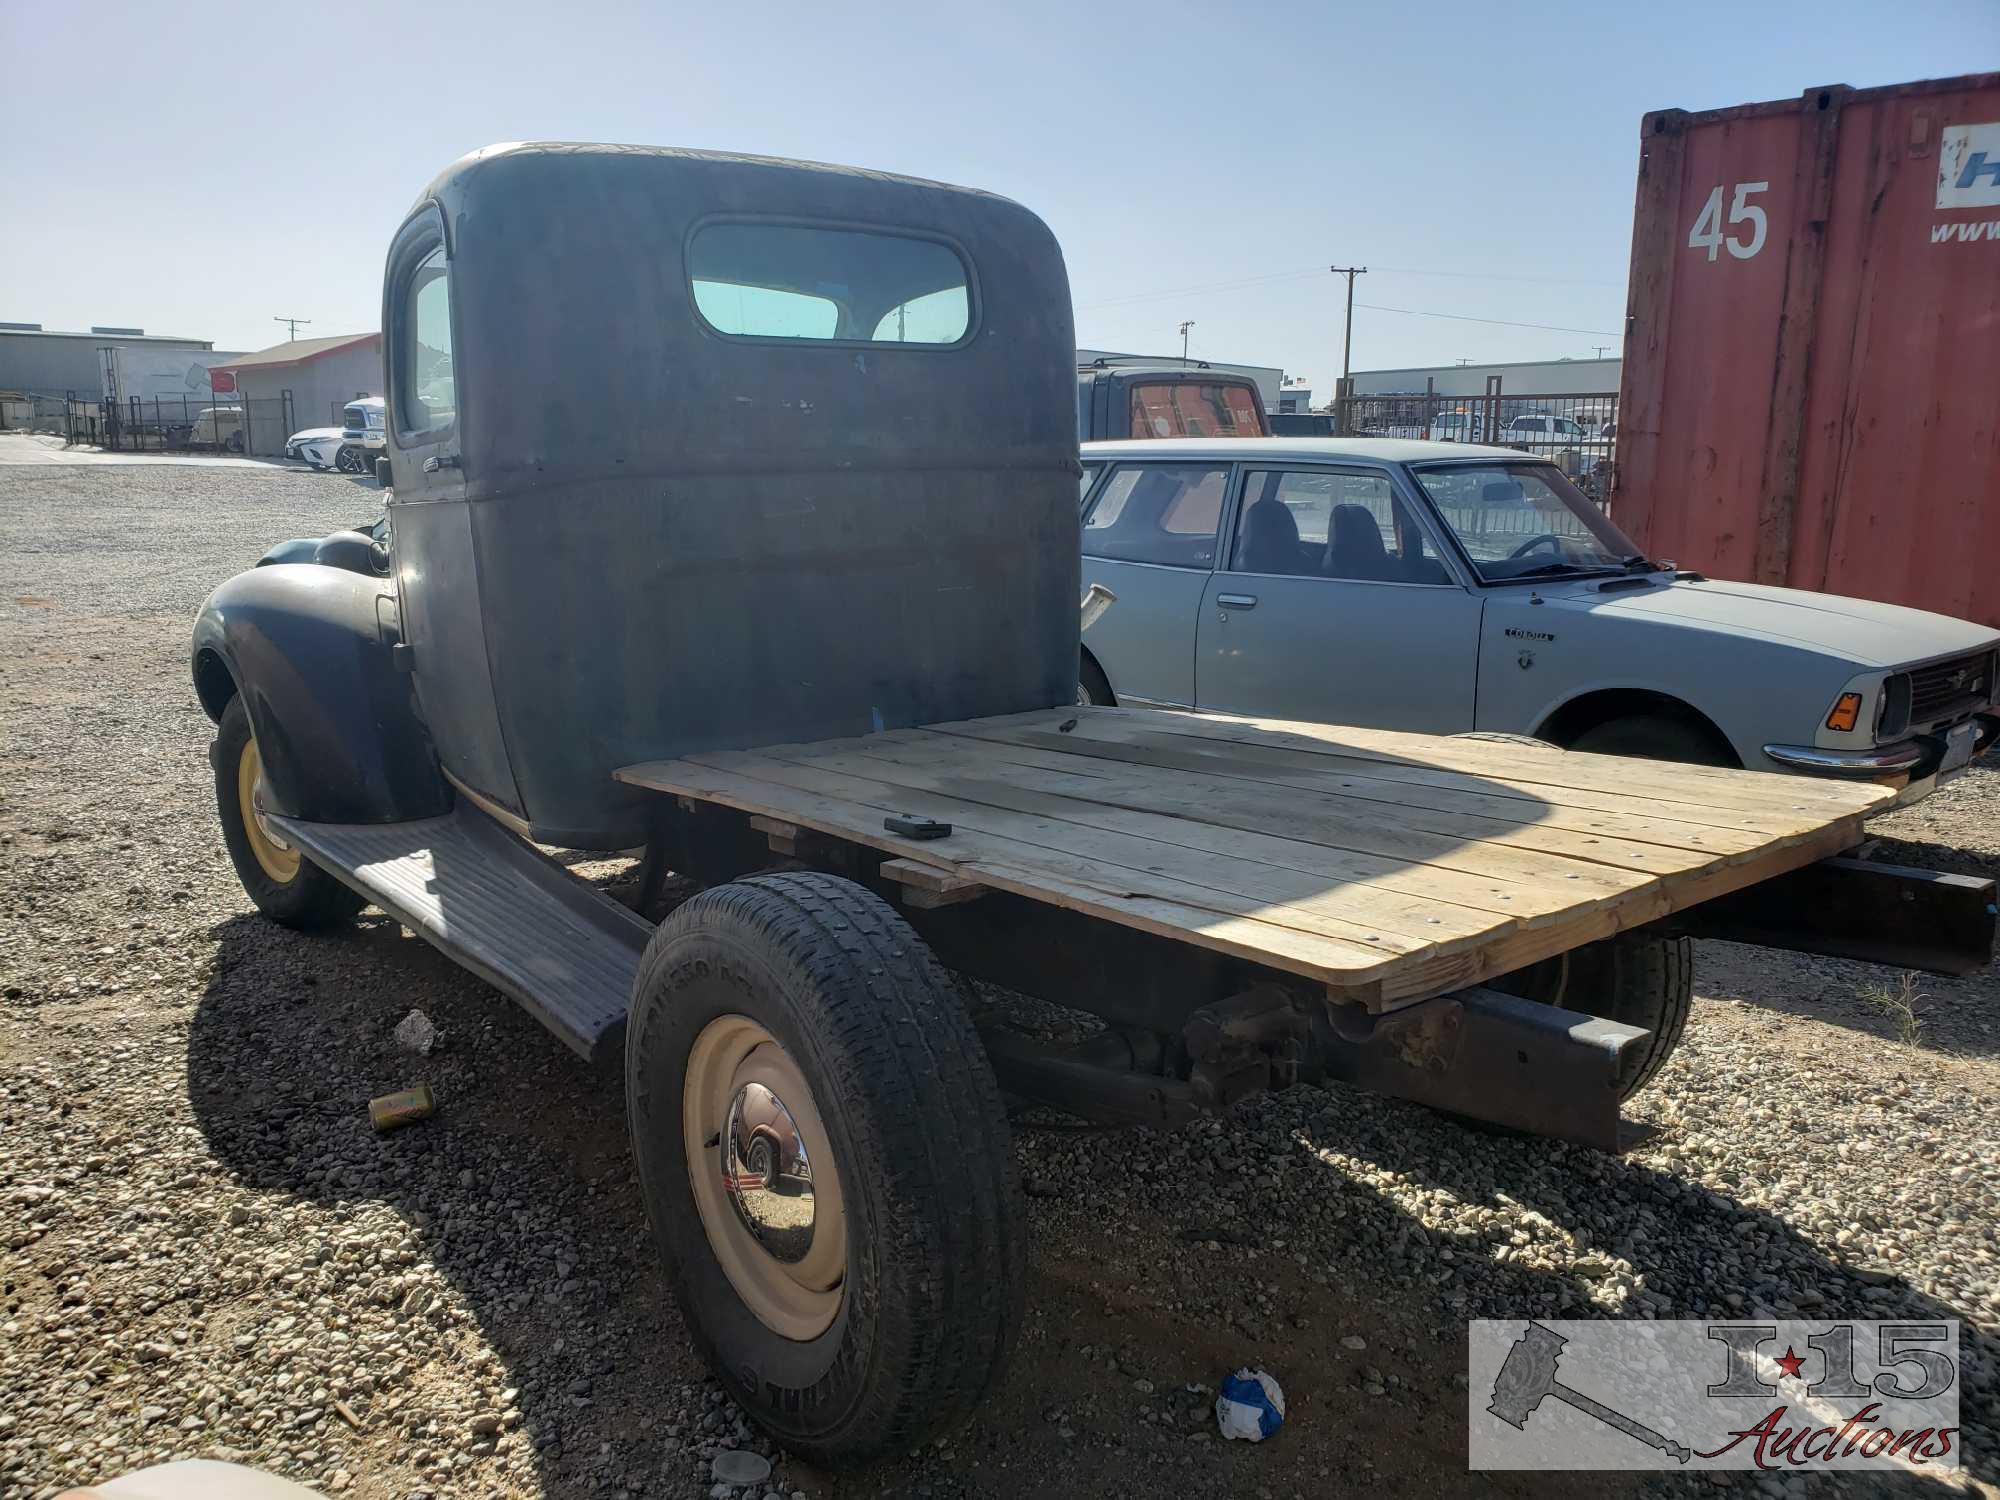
[205, 1249]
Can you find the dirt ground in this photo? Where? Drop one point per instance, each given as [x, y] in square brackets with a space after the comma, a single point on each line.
[206, 1250]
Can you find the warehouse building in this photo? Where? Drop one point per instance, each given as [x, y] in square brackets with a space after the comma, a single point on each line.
[1540, 377]
[42, 361]
[301, 384]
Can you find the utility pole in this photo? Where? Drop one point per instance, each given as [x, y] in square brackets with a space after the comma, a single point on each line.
[1347, 336]
[291, 325]
[1184, 333]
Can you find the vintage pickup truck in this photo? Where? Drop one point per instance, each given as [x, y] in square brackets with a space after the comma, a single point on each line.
[788, 597]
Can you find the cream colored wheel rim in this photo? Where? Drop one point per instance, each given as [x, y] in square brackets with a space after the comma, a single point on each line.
[772, 1207]
[279, 859]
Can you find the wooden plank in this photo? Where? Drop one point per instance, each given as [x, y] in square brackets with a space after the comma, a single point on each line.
[1392, 821]
[783, 837]
[1628, 839]
[1422, 978]
[1541, 897]
[1117, 861]
[1347, 965]
[1329, 853]
[928, 886]
[1701, 793]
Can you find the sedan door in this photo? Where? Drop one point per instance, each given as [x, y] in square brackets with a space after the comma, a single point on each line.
[1149, 535]
[1334, 606]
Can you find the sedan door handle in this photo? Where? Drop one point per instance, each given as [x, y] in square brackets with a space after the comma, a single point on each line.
[1237, 601]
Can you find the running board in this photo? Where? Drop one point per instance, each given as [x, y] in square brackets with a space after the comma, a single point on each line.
[500, 908]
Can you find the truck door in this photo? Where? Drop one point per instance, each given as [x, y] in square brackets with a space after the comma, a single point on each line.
[1333, 605]
[1149, 535]
[437, 572]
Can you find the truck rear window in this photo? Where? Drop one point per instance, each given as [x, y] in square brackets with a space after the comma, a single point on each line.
[795, 281]
[1191, 408]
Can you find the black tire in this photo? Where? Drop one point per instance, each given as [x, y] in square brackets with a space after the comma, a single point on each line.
[309, 897]
[1655, 737]
[880, 1031]
[1091, 685]
[347, 460]
[1636, 978]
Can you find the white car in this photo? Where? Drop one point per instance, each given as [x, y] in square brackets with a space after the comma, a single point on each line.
[318, 446]
[1443, 588]
[350, 448]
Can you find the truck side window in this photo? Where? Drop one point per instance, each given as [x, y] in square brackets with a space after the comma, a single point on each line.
[425, 391]
[1163, 513]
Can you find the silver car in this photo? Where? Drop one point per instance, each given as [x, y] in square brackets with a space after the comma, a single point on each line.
[1445, 587]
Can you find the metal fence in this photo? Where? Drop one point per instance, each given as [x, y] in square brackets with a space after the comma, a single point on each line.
[1576, 430]
[180, 424]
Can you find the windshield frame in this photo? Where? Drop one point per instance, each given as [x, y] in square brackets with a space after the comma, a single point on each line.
[1594, 520]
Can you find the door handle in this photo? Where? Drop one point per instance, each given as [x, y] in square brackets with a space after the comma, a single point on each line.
[1237, 601]
[439, 461]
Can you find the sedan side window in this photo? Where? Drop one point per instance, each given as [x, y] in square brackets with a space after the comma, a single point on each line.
[1324, 523]
[1157, 513]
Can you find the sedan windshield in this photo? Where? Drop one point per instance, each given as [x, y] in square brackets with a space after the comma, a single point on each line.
[1524, 521]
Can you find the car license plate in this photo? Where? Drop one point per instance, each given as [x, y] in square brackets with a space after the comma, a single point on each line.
[1958, 746]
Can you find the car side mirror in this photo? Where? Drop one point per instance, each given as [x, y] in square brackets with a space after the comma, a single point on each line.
[382, 472]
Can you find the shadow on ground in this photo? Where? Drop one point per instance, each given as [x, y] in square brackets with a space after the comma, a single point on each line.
[521, 1193]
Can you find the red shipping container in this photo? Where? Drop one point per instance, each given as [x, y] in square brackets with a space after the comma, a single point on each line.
[1811, 387]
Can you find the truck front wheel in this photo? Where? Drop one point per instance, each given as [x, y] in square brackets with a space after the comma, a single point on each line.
[825, 1161]
[287, 887]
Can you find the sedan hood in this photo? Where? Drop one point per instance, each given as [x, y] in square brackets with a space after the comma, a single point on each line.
[1860, 630]
[314, 435]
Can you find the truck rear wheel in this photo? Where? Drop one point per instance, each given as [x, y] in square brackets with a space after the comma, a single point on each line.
[825, 1161]
[1635, 977]
[287, 887]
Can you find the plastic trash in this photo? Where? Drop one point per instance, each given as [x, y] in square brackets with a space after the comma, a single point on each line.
[1250, 1405]
[407, 1106]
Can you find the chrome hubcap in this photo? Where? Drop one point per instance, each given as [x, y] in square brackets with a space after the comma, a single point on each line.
[768, 1174]
[764, 1179]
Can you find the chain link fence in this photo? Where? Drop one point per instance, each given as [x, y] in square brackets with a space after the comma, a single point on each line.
[1575, 430]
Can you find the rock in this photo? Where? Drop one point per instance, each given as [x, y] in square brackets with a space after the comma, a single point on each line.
[736, 1466]
[1355, 1342]
[415, 1033]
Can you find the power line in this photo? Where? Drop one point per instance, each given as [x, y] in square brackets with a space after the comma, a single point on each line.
[1277, 276]
[1417, 312]
[1500, 276]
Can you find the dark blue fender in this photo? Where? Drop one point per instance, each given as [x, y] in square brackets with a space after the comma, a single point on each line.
[336, 720]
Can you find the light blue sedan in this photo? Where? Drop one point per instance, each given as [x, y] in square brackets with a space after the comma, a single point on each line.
[1446, 587]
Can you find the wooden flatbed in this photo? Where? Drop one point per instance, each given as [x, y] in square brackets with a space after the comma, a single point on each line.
[1390, 867]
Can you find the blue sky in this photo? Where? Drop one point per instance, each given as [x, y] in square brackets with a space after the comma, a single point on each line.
[198, 169]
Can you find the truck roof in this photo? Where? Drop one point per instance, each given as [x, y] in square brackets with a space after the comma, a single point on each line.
[1375, 450]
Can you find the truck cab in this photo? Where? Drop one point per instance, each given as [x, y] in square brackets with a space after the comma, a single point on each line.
[1148, 399]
